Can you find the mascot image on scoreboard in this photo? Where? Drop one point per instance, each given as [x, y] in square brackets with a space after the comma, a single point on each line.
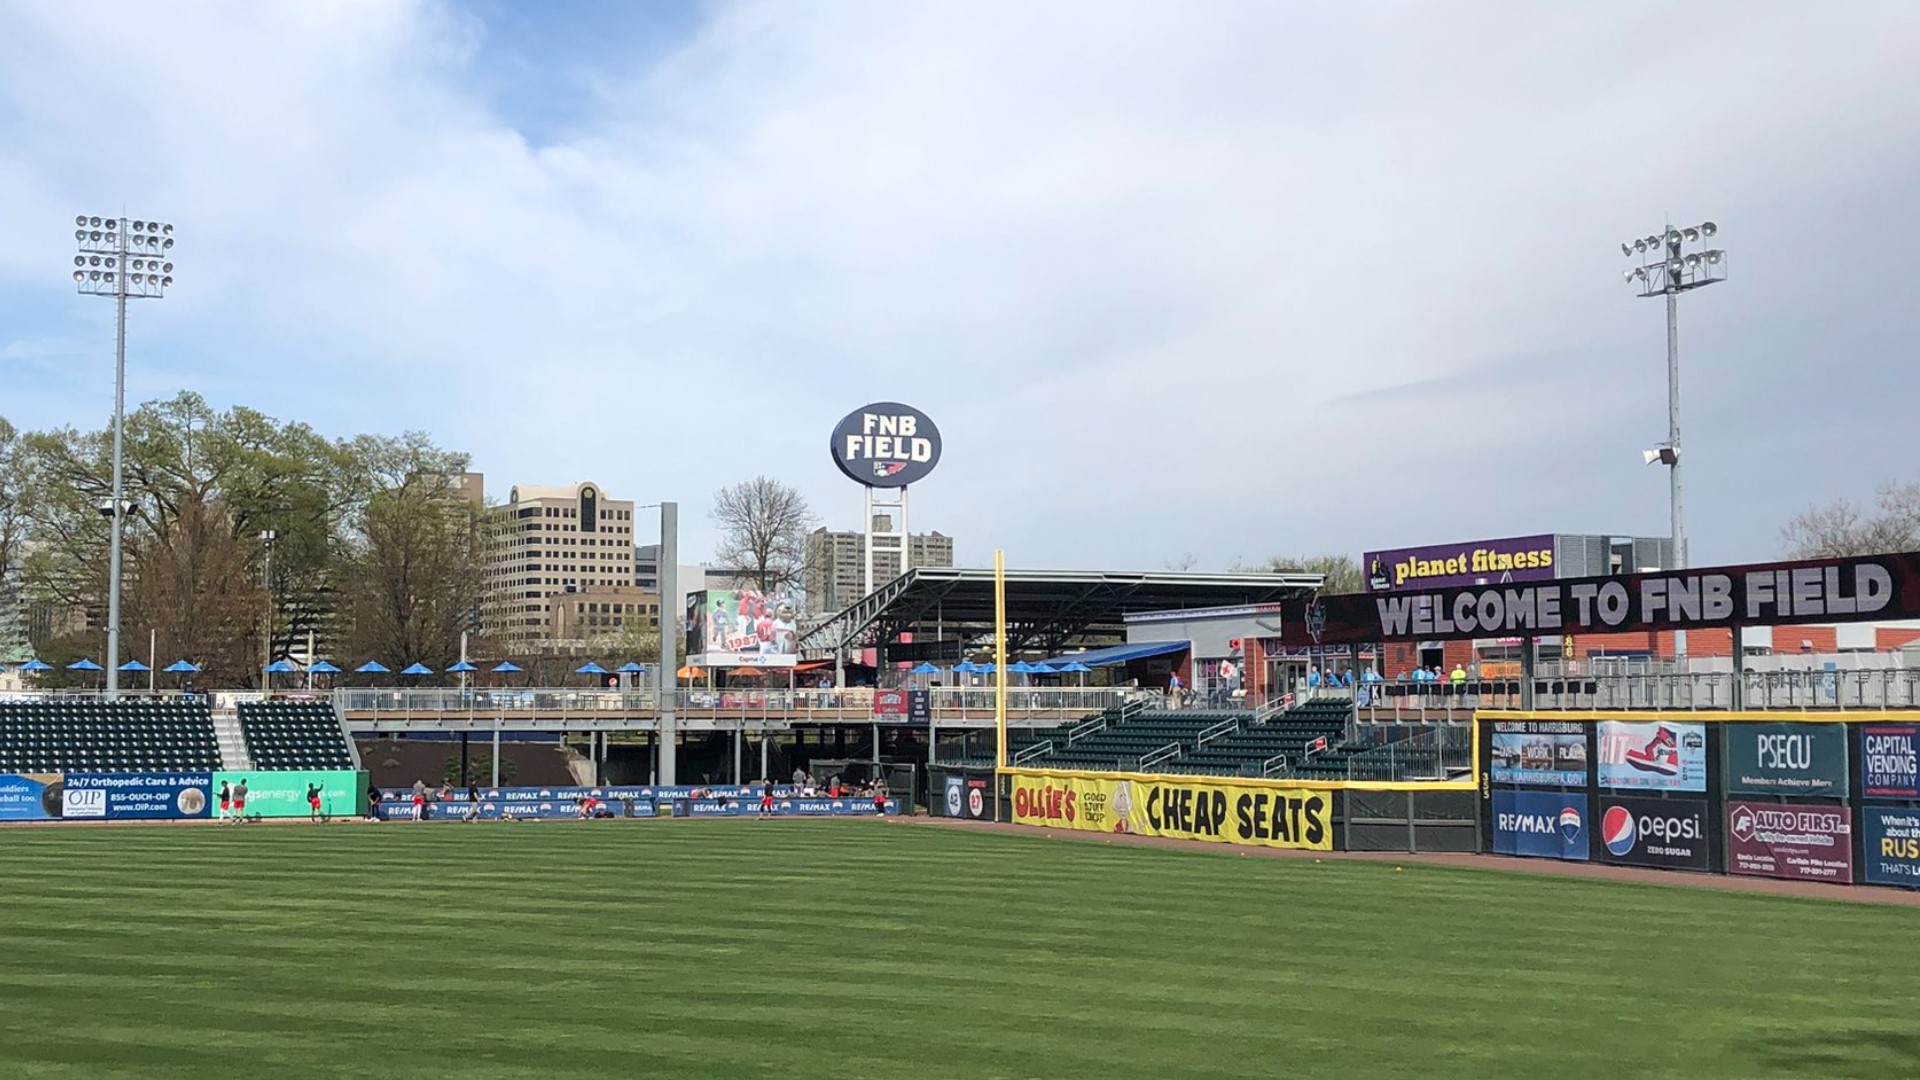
[1220, 811]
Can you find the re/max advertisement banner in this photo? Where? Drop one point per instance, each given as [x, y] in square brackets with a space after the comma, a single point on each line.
[1541, 824]
[1199, 809]
[1856, 589]
[1785, 759]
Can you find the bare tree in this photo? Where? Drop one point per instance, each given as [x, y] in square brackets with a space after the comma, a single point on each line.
[1843, 528]
[1185, 562]
[1342, 572]
[192, 587]
[763, 531]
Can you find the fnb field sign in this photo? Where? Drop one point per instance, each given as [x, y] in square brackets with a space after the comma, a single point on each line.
[886, 445]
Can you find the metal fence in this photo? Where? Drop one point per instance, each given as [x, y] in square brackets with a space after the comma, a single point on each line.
[949, 704]
[1868, 688]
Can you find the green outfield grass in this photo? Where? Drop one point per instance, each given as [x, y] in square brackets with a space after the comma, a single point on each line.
[743, 949]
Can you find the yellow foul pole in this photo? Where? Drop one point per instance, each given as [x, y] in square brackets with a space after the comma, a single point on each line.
[999, 671]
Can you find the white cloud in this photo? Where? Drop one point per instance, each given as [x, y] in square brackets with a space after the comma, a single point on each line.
[1157, 270]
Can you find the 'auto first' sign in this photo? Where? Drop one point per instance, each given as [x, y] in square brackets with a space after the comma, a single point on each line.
[887, 445]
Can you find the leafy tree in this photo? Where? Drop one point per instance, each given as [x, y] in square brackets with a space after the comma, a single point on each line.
[1842, 528]
[1342, 572]
[414, 565]
[763, 531]
[13, 527]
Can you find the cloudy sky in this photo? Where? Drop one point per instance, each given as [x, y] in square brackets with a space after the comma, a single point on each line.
[1223, 279]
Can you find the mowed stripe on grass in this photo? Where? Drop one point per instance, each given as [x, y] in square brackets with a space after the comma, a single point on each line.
[871, 949]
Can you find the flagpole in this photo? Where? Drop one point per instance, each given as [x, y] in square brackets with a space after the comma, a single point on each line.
[999, 673]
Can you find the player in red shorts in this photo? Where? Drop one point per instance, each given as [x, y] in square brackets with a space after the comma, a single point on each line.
[766, 801]
[240, 801]
[313, 802]
[226, 801]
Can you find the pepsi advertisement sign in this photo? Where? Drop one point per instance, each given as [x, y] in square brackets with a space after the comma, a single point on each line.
[1541, 825]
[886, 445]
[1667, 834]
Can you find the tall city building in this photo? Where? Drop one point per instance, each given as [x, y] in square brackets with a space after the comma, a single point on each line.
[561, 569]
[837, 565]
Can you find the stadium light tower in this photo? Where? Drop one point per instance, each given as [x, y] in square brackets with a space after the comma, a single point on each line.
[127, 260]
[1667, 269]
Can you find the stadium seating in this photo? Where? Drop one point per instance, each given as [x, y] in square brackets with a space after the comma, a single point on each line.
[294, 735]
[97, 735]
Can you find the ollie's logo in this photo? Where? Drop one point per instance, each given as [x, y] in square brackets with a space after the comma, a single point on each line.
[1048, 803]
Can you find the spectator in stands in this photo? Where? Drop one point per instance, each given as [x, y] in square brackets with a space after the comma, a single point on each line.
[799, 777]
[1459, 677]
[226, 795]
[1173, 690]
[1313, 678]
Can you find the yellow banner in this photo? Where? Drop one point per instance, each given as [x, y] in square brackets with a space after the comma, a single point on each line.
[1199, 808]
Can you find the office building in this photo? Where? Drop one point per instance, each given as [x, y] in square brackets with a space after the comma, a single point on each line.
[561, 568]
[837, 565]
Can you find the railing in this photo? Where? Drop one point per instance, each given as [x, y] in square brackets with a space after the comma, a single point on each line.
[1037, 750]
[1866, 688]
[1274, 765]
[844, 705]
[1428, 755]
[1087, 727]
[1224, 727]
[1155, 757]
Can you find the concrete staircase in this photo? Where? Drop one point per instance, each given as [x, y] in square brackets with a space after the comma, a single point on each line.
[233, 745]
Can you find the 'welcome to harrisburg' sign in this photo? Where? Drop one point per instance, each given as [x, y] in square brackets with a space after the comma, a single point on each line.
[1770, 594]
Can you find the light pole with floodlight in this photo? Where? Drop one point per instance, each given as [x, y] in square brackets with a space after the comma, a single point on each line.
[127, 260]
[1667, 270]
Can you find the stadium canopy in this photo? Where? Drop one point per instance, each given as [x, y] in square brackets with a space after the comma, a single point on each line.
[945, 608]
[1121, 654]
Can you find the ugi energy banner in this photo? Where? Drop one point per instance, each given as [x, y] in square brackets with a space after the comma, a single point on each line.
[1196, 809]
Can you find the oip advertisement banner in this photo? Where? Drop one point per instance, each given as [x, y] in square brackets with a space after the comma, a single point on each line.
[1786, 759]
[1803, 842]
[1540, 824]
[135, 796]
[1197, 809]
[1663, 756]
[284, 794]
[30, 796]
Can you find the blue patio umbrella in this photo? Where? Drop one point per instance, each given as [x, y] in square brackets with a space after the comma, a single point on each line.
[133, 665]
[966, 667]
[182, 667]
[461, 668]
[631, 668]
[373, 667]
[1043, 669]
[282, 667]
[589, 668]
[84, 665]
[986, 669]
[1020, 667]
[506, 666]
[924, 668]
[322, 668]
[416, 669]
[1075, 667]
[36, 665]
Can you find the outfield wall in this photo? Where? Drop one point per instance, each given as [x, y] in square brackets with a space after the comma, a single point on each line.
[1298, 815]
[166, 796]
[1831, 797]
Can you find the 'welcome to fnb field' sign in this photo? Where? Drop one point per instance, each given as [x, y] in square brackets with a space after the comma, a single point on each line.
[1824, 590]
